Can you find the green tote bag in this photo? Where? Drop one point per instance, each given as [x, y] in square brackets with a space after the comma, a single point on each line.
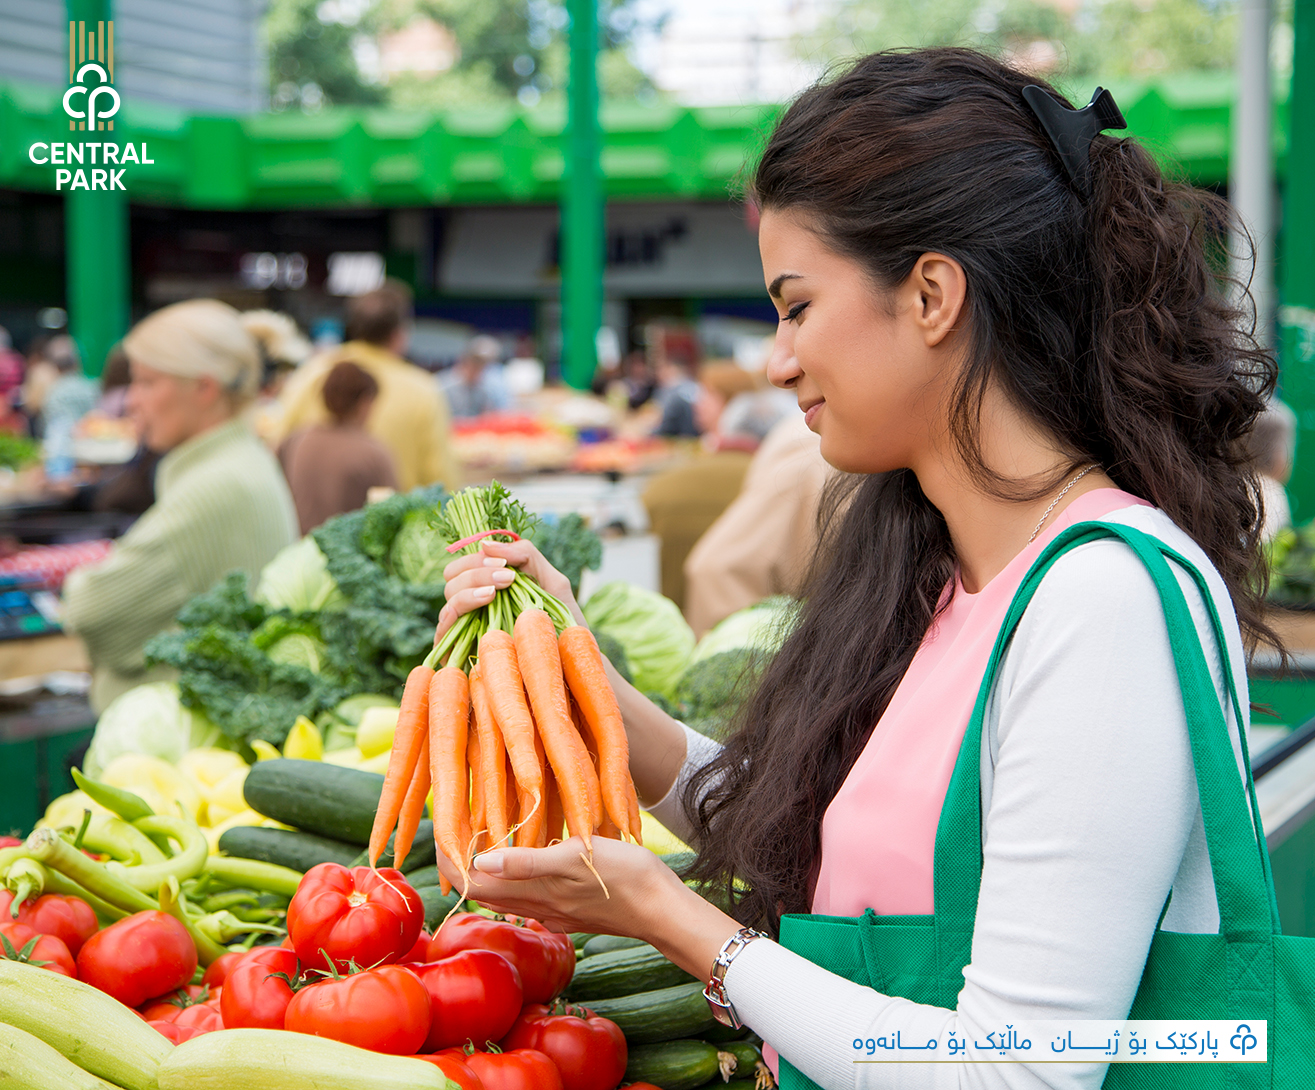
[1249, 970]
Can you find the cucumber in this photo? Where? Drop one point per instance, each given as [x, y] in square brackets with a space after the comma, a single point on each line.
[422, 854]
[601, 944]
[320, 798]
[437, 905]
[273, 1059]
[678, 861]
[578, 939]
[664, 1014]
[673, 1065]
[423, 876]
[28, 1062]
[286, 847]
[623, 972]
[719, 1033]
[746, 1057]
[83, 1024]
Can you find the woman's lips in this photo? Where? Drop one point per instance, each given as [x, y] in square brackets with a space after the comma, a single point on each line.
[812, 412]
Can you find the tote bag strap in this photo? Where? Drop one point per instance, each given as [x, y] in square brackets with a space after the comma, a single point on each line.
[1238, 859]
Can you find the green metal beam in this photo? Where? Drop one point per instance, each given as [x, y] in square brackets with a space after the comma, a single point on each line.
[581, 245]
[1297, 316]
[95, 229]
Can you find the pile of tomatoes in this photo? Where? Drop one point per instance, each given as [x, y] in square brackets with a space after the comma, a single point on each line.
[357, 967]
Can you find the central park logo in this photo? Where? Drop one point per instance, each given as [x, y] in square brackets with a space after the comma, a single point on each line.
[90, 102]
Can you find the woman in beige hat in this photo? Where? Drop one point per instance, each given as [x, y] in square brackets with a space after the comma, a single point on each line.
[221, 501]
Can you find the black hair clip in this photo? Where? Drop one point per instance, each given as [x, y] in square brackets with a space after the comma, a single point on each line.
[1072, 131]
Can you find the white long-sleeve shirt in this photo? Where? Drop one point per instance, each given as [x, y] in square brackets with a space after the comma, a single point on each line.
[1091, 815]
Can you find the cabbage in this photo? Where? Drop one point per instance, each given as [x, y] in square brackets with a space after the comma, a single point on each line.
[298, 649]
[418, 552]
[760, 627]
[650, 629]
[298, 579]
[148, 719]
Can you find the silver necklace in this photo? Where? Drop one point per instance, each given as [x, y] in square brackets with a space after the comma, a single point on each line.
[1055, 502]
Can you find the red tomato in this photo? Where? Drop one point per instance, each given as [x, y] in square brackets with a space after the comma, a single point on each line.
[358, 915]
[69, 919]
[544, 960]
[519, 1069]
[590, 1052]
[148, 953]
[201, 1017]
[219, 969]
[46, 950]
[10, 842]
[384, 1009]
[254, 997]
[641, 1086]
[455, 1069]
[166, 1008]
[419, 953]
[176, 1033]
[473, 996]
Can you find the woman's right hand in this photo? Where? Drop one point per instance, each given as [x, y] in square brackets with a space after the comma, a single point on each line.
[472, 580]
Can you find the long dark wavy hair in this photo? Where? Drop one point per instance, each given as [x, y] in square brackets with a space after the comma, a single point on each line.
[1101, 320]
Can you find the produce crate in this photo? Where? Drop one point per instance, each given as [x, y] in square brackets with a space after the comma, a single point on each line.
[35, 744]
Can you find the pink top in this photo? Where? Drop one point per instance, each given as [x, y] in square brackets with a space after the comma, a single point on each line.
[879, 833]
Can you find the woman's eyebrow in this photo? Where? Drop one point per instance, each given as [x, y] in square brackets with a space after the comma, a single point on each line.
[775, 290]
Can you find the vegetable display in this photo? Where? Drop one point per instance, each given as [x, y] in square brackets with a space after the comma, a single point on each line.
[519, 734]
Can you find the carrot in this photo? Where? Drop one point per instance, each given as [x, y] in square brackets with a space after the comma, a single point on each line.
[479, 825]
[511, 711]
[532, 823]
[606, 826]
[555, 815]
[582, 666]
[449, 715]
[490, 769]
[412, 726]
[413, 806]
[541, 667]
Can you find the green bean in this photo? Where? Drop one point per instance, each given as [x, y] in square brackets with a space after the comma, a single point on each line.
[250, 872]
[128, 806]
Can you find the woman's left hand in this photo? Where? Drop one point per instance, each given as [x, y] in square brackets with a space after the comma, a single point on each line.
[555, 886]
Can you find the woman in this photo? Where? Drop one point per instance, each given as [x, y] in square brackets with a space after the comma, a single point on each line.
[220, 501]
[999, 346]
[332, 467]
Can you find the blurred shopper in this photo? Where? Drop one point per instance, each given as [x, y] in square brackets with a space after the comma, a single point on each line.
[332, 467]
[761, 543]
[1271, 449]
[47, 360]
[683, 502]
[221, 505]
[410, 417]
[11, 366]
[720, 382]
[282, 350]
[130, 488]
[70, 397]
[474, 385]
[676, 392]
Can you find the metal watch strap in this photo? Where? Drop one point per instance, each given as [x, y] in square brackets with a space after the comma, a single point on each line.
[715, 991]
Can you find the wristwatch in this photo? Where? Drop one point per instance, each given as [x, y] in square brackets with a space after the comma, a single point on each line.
[715, 991]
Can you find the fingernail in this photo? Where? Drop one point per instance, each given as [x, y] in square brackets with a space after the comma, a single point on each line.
[484, 594]
[489, 863]
[494, 562]
[504, 578]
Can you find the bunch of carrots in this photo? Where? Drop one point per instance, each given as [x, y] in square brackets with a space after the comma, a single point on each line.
[520, 733]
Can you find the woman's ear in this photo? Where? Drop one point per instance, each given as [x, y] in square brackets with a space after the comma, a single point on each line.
[941, 288]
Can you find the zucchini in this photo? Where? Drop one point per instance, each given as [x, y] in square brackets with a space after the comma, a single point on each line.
[273, 1059]
[601, 944]
[286, 847]
[664, 1014]
[320, 798]
[673, 1065]
[29, 1063]
[623, 972]
[82, 1024]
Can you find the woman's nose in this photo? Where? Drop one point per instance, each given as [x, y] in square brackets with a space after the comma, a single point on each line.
[782, 367]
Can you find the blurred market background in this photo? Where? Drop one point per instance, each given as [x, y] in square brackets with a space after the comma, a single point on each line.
[533, 207]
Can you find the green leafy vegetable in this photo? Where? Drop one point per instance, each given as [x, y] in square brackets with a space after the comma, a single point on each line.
[17, 451]
[657, 641]
[149, 719]
[298, 579]
[569, 546]
[417, 553]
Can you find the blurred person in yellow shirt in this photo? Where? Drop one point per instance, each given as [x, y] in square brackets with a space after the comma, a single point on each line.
[410, 415]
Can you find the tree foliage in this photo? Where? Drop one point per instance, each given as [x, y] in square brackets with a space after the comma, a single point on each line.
[1099, 39]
